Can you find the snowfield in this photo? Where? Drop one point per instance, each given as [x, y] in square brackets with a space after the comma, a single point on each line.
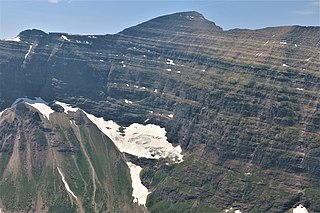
[148, 141]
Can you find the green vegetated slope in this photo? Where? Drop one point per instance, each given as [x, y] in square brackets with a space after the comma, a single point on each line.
[32, 148]
[243, 104]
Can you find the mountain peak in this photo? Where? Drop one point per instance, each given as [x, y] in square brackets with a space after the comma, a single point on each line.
[191, 22]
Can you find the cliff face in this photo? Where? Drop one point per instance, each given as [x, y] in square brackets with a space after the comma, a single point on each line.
[243, 104]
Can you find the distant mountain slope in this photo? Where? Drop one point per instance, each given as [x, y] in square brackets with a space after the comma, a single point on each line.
[243, 104]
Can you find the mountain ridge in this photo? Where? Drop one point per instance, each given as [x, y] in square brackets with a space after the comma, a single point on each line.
[186, 14]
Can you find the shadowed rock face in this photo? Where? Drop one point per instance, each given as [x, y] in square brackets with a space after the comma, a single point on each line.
[237, 101]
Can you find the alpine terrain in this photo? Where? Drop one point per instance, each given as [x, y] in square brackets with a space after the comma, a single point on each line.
[172, 115]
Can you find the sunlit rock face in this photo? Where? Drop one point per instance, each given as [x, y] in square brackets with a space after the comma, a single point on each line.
[238, 102]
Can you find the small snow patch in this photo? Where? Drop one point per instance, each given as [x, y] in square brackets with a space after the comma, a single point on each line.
[203, 70]
[260, 54]
[308, 59]
[284, 65]
[156, 90]
[170, 116]
[16, 39]
[101, 60]
[300, 89]
[178, 72]
[67, 108]
[127, 101]
[2, 112]
[300, 209]
[170, 62]
[124, 65]
[29, 51]
[66, 184]
[169, 70]
[64, 38]
[127, 85]
[283, 42]
[140, 192]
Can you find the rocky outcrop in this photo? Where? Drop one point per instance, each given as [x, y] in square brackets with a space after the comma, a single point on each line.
[237, 101]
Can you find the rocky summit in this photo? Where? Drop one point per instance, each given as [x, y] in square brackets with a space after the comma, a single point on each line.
[242, 104]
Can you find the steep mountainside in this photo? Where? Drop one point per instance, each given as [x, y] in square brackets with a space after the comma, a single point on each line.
[243, 104]
[39, 156]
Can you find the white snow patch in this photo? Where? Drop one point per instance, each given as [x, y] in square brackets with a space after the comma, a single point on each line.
[127, 85]
[65, 38]
[237, 211]
[140, 192]
[2, 112]
[16, 39]
[295, 45]
[203, 70]
[101, 60]
[67, 108]
[127, 101]
[169, 70]
[147, 141]
[66, 184]
[300, 209]
[29, 51]
[266, 43]
[117, 55]
[156, 90]
[122, 62]
[182, 65]
[144, 56]
[284, 65]
[124, 65]
[135, 86]
[170, 116]
[308, 59]
[248, 173]
[178, 72]
[73, 122]
[283, 42]
[143, 87]
[300, 89]
[170, 62]
[39, 104]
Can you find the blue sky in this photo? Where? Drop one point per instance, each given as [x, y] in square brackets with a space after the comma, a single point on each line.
[110, 16]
